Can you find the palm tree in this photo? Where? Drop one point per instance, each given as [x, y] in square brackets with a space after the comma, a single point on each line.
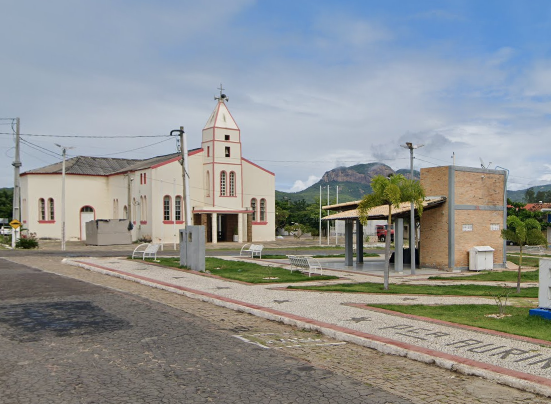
[523, 232]
[391, 191]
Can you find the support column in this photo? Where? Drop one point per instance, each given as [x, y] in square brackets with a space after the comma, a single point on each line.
[348, 243]
[359, 242]
[214, 228]
[399, 245]
[240, 227]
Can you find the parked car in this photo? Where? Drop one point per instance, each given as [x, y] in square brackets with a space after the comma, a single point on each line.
[5, 230]
[381, 232]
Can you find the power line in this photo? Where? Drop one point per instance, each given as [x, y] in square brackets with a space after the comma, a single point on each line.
[87, 136]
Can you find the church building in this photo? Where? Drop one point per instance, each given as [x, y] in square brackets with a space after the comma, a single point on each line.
[230, 195]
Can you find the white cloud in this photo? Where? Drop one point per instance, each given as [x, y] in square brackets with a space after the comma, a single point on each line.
[300, 185]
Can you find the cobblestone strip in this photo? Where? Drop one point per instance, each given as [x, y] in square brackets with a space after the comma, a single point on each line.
[418, 382]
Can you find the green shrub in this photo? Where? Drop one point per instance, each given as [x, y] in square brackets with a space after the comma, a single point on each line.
[27, 242]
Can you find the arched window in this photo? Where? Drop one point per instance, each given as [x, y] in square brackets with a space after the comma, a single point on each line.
[178, 208]
[232, 183]
[207, 185]
[263, 210]
[223, 183]
[114, 209]
[167, 214]
[144, 209]
[134, 203]
[51, 210]
[41, 209]
[253, 208]
[125, 212]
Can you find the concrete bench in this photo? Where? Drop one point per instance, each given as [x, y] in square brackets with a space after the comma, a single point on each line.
[305, 262]
[253, 249]
[146, 250]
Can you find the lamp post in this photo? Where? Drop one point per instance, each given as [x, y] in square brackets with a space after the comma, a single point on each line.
[412, 232]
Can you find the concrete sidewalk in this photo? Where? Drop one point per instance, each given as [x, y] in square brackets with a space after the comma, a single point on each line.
[519, 362]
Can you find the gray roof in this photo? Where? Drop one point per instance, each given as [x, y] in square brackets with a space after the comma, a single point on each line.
[101, 165]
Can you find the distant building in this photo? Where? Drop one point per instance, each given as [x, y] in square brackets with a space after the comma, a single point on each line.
[231, 196]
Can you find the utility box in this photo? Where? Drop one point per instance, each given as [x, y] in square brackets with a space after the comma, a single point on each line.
[481, 258]
[108, 232]
[192, 247]
[545, 284]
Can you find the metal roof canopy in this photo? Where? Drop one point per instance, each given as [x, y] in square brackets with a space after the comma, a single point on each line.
[349, 210]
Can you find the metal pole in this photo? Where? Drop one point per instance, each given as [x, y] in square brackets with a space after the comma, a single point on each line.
[64, 151]
[188, 219]
[320, 218]
[335, 222]
[412, 219]
[16, 212]
[328, 213]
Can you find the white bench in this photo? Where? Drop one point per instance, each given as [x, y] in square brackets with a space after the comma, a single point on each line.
[147, 250]
[305, 262]
[253, 249]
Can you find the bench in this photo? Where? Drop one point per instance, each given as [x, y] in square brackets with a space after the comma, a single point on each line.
[305, 262]
[147, 250]
[253, 249]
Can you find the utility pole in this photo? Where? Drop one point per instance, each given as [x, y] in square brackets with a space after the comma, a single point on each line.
[64, 154]
[16, 213]
[336, 221]
[412, 231]
[320, 218]
[328, 213]
[188, 219]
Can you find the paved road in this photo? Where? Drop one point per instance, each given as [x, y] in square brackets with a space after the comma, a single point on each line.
[417, 382]
[67, 341]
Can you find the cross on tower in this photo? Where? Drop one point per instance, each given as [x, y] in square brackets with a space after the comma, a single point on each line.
[223, 97]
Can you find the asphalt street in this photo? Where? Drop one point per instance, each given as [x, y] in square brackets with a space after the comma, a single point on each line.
[67, 341]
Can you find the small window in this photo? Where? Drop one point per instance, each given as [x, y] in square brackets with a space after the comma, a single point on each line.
[178, 208]
[227, 153]
[41, 209]
[223, 183]
[141, 179]
[263, 210]
[125, 212]
[208, 151]
[145, 178]
[232, 183]
[51, 210]
[253, 208]
[494, 227]
[226, 137]
[166, 208]
[467, 227]
[207, 184]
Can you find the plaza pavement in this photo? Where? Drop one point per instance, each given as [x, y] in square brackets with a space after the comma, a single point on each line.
[518, 362]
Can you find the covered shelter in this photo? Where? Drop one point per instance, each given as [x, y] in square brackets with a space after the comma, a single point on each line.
[348, 212]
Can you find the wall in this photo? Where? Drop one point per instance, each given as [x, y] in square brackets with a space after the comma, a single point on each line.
[259, 183]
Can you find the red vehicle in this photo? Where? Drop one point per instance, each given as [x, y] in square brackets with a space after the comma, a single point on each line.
[381, 232]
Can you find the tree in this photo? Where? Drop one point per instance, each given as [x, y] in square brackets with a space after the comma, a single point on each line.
[530, 195]
[6, 203]
[523, 232]
[391, 191]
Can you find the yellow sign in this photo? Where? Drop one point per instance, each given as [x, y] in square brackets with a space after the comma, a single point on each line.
[15, 224]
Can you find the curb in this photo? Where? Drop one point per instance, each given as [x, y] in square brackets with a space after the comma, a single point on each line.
[515, 379]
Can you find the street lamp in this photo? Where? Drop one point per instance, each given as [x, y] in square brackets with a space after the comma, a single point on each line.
[411, 146]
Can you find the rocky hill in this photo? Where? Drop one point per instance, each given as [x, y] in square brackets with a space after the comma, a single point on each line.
[353, 182]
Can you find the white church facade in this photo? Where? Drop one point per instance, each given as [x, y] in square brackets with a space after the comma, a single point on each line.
[231, 196]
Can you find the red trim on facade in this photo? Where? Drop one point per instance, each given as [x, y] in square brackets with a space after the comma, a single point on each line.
[220, 211]
[168, 221]
[46, 221]
[257, 166]
[260, 223]
[179, 222]
[24, 221]
[134, 222]
[143, 221]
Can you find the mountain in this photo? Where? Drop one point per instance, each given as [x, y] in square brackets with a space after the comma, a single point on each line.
[354, 182]
[519, 196]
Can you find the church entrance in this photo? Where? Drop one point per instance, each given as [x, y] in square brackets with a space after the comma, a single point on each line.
[226, 226]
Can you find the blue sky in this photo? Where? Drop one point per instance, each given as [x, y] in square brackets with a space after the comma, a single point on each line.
[312, 84]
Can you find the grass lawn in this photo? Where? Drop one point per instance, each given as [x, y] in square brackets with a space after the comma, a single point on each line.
[520, 323]
[505, 276]
[279, 257]
[441, 290]
[247, 272]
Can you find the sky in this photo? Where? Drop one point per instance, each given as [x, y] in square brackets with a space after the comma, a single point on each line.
[312, 84]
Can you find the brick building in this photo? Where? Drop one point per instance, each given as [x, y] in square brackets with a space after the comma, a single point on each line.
[474, 213]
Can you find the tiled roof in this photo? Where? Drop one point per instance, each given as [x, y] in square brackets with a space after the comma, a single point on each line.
[536, 207]
[381, 212]
[101, 165]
